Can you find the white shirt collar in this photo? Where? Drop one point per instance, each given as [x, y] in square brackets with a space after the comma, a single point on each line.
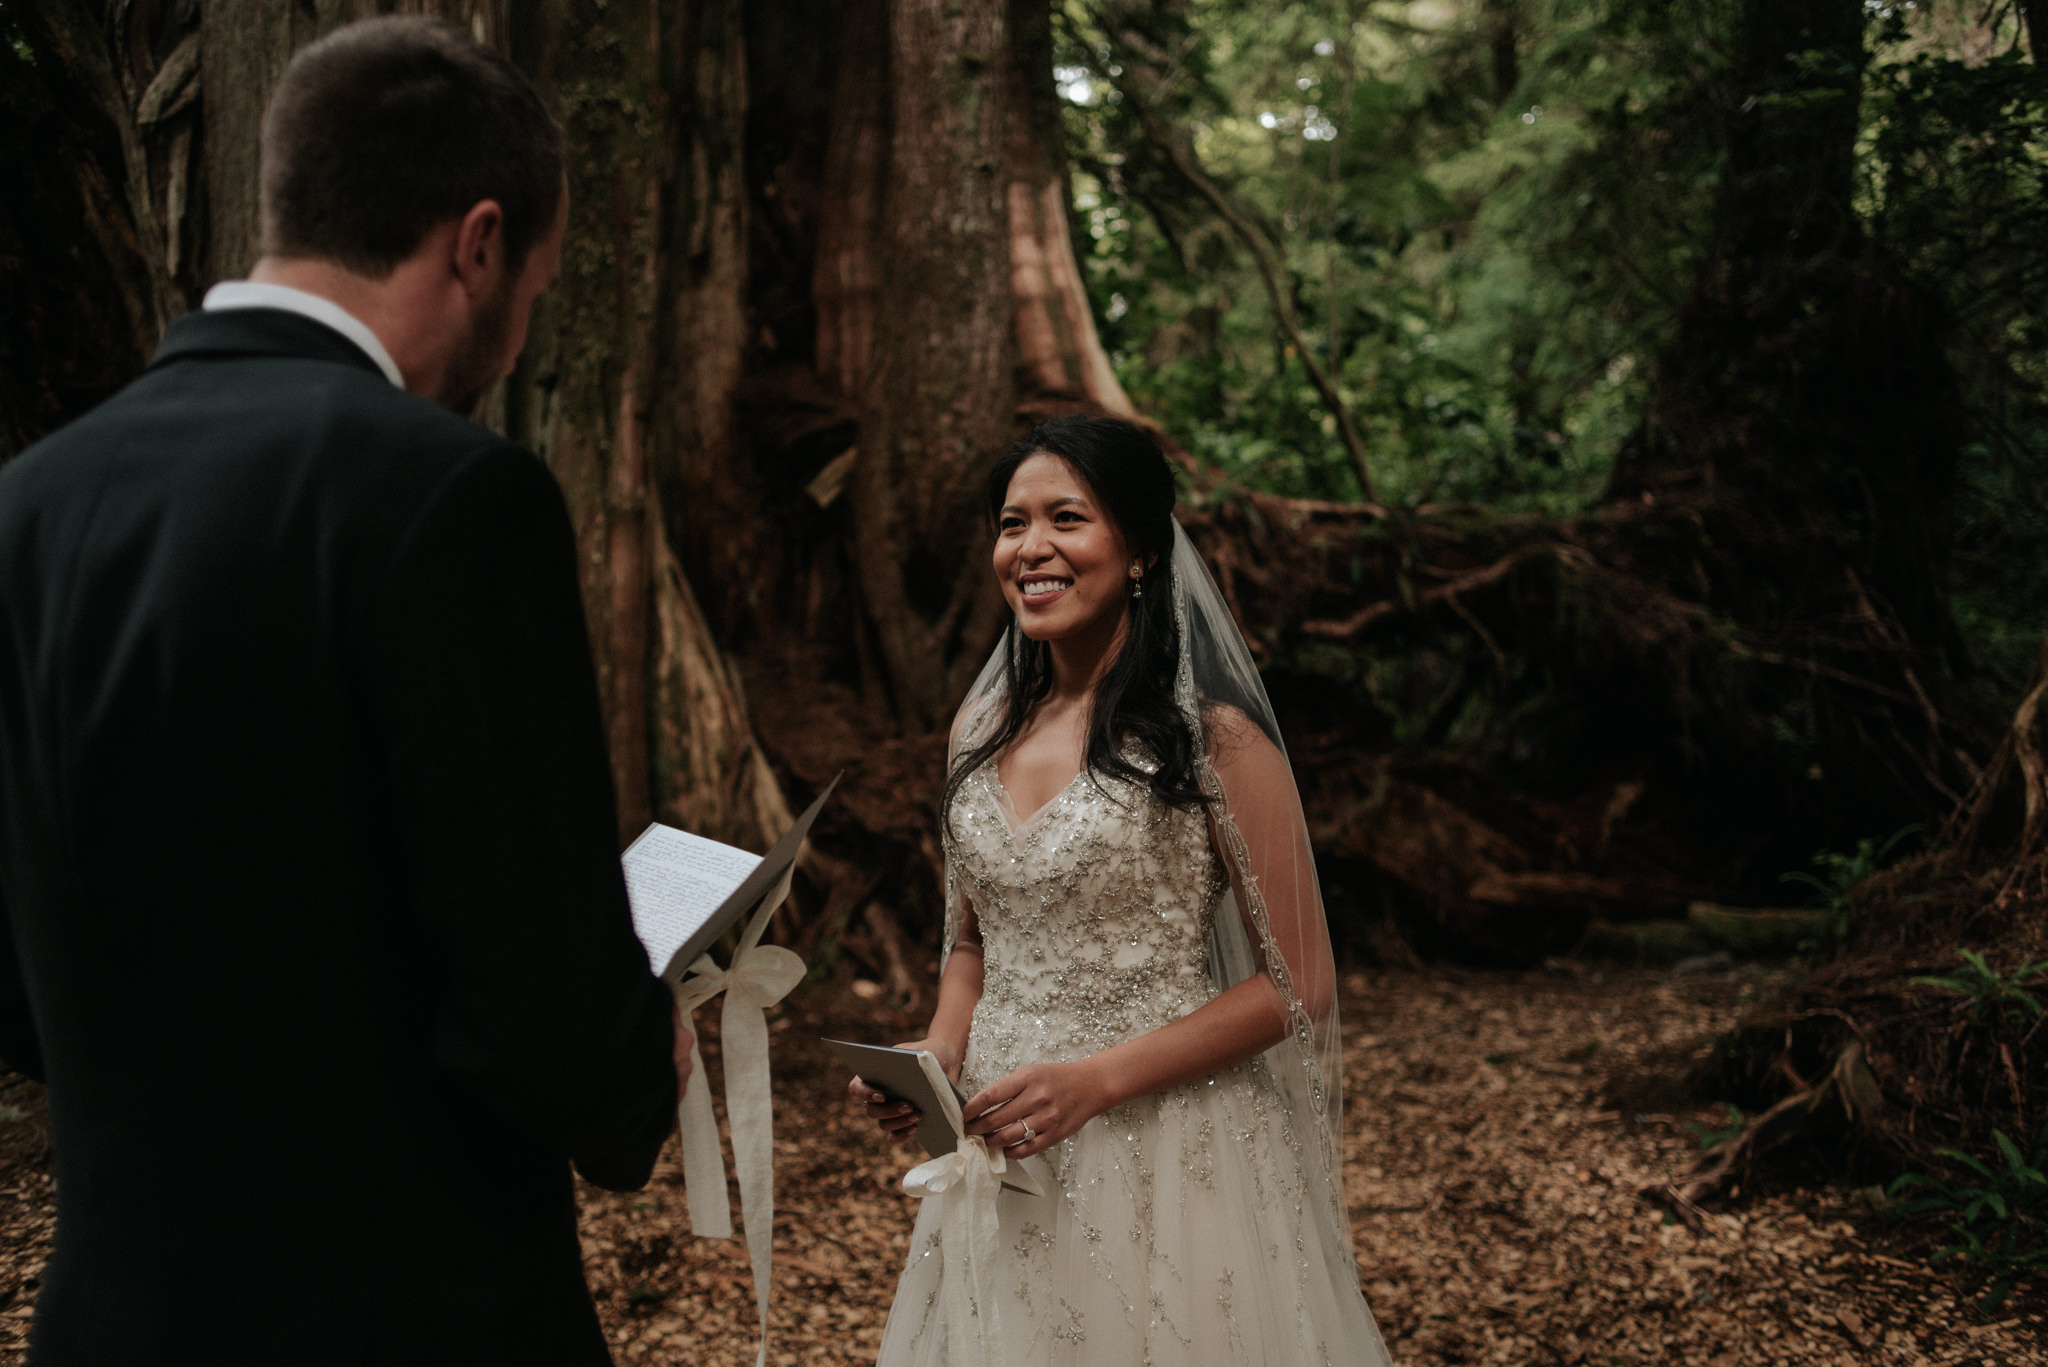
[254, 294]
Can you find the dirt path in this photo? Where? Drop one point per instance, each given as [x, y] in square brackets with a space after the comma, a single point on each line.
[1491, 1173]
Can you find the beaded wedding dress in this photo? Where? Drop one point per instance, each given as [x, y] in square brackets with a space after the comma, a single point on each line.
[1202, 1225]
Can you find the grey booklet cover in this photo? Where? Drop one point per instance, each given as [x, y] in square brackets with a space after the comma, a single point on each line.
[913, 1075]
[687, 891]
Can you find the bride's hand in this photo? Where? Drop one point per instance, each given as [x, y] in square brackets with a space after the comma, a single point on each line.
[1053, 1100]
[898, 1119]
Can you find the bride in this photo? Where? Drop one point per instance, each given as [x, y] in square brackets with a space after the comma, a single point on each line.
[1138, 981]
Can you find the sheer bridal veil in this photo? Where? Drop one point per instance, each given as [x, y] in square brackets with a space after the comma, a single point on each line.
[1273, 922]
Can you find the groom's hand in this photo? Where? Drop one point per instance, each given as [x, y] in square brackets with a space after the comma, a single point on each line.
[684, 1042]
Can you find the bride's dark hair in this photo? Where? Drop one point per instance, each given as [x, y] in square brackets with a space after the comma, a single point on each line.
[1134, 701]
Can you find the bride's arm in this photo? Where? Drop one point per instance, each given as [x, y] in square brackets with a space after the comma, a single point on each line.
[1057, 1099]
[959, 994]
[946, 1037]
[1245, 1020]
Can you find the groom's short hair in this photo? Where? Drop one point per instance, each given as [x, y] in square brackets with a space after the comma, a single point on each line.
[387, 127]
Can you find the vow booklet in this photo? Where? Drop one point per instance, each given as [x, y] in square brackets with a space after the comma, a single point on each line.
[914, 1075]
[687, 891]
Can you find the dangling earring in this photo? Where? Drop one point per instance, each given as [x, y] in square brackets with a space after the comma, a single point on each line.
[1137, 583]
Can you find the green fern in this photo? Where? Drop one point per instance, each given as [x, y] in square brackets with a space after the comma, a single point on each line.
[1982, 986]
[1997, 1216]
[1841, 873]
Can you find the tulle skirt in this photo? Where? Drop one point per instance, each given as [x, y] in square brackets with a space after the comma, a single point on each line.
[1172, 1231]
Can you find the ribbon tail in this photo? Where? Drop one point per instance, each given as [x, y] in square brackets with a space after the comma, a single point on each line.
[703, 1164]
[985, 1250]
[958, 1272]
[749, 1105]
[758, 977]
[967, 1183]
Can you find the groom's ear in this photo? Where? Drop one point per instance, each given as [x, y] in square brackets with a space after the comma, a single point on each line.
[479, 258]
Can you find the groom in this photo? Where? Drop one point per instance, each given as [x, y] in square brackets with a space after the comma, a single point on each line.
[308, 855]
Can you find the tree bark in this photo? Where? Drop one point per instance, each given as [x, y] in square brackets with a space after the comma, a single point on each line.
[80, 307]
[2035, 12]
[875, 255]
[106, 70]
[2030, 749]
[634, 358]
[1497, 22]
[939, 400]
[709, 774]
[588, 361]
[846, 277]
[244, 46]
[1058, 351]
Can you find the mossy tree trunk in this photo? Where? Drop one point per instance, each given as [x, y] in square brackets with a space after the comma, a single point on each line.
[140, 126]
[627, 387]
[939, 394]
[819, 266]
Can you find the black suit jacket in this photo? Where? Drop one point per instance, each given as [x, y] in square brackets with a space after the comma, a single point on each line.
[308, 846]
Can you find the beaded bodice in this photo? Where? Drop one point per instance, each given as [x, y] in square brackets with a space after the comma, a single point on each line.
[1094, 916]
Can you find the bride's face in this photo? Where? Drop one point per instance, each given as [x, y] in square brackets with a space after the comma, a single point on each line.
[1059, 556]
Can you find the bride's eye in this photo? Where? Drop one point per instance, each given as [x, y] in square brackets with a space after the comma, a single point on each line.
[1009, 522]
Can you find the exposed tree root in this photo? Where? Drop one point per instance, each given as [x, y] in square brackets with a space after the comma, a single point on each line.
[1849, 1088]
[1919, 1058]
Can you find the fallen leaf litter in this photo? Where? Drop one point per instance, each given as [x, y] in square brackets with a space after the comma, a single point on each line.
[1496, 1138]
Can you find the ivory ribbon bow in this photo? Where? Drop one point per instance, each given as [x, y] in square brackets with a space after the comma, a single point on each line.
[759, 976]
[966, 1182]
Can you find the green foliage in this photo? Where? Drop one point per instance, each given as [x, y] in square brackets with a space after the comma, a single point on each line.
[11, 35]
[1841, 873]
[1956, 187]
[1467, 243]
[1982, 986]
[1487, 234]
[1997, 1215]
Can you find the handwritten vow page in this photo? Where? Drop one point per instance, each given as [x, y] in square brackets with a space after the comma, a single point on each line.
[677, 882]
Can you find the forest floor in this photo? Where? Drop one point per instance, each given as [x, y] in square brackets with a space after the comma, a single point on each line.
[1499, 1126]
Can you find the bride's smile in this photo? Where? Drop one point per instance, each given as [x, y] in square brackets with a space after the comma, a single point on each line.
[1061, 562]
[1044, 586]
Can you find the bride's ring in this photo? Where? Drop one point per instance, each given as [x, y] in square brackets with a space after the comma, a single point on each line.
[1029, 1133]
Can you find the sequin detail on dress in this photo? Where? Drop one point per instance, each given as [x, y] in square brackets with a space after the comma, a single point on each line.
[1174, 1229]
